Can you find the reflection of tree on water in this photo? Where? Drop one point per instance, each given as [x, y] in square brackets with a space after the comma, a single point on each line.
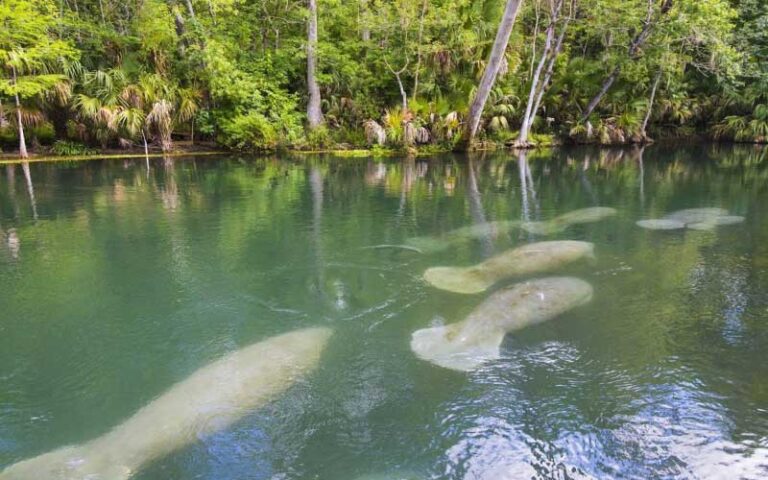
[585, 181]
[409, 176]
[10, 172]
[526, 185]
[170, 192]
[318, 284]
[30, 188]
[476, 209]
[641, 165]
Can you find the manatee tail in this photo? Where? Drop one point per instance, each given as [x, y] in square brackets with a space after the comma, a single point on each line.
[444, 347]
[67, 463]
[457, 279]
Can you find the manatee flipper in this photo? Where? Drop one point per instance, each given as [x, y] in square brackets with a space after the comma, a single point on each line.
[446, 347]
[458, 279]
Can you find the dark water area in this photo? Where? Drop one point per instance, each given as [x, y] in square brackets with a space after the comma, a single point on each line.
[117, 281]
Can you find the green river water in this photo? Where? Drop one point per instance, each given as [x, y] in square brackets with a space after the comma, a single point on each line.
[117, 281]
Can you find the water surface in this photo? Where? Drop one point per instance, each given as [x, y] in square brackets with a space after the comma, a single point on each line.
[117, 281]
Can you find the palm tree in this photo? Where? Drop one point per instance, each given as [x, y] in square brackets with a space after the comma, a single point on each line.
[161, 119]
[189, 104]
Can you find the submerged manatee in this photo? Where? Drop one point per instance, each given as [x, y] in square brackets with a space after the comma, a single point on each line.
[694, 218]
[660, 224]
[716, 222]
[562, 222]
[696, 215]
[528, 259]
[209, 400]
[466, 345]
[460, 235]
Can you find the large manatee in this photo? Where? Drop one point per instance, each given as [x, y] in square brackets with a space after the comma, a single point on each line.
[562, 222]
[466, 345]
[209, 400]
[528, 259]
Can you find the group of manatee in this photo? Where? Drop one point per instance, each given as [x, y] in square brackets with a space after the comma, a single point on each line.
[219, 394]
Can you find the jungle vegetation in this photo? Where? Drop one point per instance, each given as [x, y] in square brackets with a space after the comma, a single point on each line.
[79, 75]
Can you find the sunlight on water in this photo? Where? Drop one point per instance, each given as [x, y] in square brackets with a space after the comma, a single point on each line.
[117, 283]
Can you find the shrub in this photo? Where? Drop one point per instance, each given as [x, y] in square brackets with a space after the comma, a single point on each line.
[319, 138]
[69, 149]
[250, 131]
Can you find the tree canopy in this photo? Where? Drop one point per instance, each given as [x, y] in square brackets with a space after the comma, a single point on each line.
[113, 73]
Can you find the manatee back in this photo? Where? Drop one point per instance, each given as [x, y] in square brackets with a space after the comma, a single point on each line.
[529, 303]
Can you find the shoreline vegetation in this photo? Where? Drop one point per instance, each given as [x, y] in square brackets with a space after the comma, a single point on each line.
[11, 158]
[81, 78]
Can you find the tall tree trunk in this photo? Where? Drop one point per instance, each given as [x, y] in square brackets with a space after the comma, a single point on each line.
[489, 75]
[535, 35]
[550, 69]
[522, 138]
[644, 126]
[418, 50]
[314, 113]
[191, 10]
[403, 95]
[365, 33]
[22, 142]
[595, 101]
[542, 86]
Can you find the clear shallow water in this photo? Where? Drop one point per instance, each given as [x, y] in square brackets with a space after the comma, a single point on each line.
[117, 282]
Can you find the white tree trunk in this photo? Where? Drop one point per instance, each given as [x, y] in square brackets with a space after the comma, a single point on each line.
[418, 49]
[403, 95]
[522, 138]
[22, 141]
[365, 33]
[647, 118]
[491, 71]
[314, 112]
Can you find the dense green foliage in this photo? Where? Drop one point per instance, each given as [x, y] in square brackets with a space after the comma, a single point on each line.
[399, 72]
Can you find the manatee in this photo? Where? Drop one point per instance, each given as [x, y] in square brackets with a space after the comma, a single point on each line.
[696, 215]
[693, 218]
[716, 222]
[460, 235]
[562, 222]
[660, 224]
[528, 259]
[209, 400]
[466, 345]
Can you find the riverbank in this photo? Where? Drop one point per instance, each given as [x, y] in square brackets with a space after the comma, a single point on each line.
[345, 151]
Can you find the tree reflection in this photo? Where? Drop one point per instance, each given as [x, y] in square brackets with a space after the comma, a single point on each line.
[30, 188]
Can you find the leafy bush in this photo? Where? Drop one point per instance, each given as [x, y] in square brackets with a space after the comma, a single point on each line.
[319, 138]
[70, 149]
[43, 133]
[251, 131]
[8, 136]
